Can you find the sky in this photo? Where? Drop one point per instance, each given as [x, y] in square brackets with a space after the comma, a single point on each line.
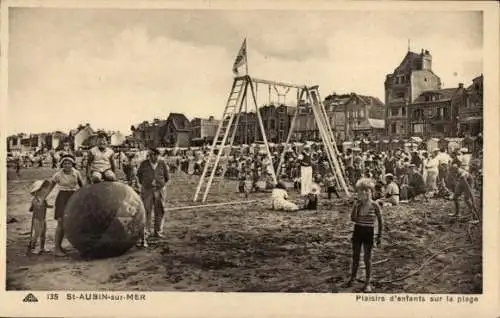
[116, 68]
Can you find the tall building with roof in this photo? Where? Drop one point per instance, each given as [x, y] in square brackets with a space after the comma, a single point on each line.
[435, 113]
[355, 115]
[471, 114]
[404, 85]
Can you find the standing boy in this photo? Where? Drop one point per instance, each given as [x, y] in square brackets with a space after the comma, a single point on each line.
[364, 214]
[39, 206]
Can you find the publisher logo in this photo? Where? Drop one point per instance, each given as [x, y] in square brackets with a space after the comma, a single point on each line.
[30, 298]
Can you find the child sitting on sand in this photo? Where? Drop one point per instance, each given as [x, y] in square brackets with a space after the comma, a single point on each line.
[364, 213]
[279, 198]
[312, 198]
[39, 206]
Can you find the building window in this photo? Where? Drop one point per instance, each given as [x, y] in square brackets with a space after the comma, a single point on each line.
[403, 111]
[394, 111]
[393, 128]
[282, 124]
[442, 113]
[418, 128]
[272, 123]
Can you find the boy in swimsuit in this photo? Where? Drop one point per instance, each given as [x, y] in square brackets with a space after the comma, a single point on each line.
[364, 214]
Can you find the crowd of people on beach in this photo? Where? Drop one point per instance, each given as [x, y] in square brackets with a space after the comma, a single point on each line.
[376, 178]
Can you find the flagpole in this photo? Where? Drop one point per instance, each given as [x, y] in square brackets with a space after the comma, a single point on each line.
[246, 52]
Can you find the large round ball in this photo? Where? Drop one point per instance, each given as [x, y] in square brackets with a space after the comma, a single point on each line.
[104, 219]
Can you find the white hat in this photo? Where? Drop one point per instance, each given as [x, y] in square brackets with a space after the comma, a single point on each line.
[37, 185]
[67, 158]
[315, 189]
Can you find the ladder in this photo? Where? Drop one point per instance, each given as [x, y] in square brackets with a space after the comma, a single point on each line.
[226, 128]
[332, 137]
[226, 133]
[327, 136]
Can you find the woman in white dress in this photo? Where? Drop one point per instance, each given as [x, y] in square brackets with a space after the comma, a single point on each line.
[279, 198]
[432, 170]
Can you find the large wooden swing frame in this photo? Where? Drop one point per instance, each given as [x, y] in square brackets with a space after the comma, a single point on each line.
[335, 164]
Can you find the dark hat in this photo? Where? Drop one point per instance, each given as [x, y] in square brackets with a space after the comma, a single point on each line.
[154, 151]
[102, 134]
[281, 185]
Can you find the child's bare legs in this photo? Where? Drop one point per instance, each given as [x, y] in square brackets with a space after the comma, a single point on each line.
[58, 251]
[367, 249]
[457, 206]
[42, 236]
[35, 234]
[469, 200]
[356, 253]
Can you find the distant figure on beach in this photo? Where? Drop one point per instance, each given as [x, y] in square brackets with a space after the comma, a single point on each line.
[279, 198]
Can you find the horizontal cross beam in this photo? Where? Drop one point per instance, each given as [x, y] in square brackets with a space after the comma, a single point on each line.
[262, 81]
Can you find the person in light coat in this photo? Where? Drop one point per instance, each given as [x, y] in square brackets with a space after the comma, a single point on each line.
[432, 171]
[279, 198]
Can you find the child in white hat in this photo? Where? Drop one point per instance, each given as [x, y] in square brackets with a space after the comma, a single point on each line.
[39, 206]
[312, 198]
[69, 179]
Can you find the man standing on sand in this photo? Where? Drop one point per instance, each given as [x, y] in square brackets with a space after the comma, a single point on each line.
[153, 177]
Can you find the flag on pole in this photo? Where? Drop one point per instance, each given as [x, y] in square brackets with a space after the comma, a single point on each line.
[241, 58]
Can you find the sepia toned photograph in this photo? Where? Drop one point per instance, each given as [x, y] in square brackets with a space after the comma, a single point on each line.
[263, 151]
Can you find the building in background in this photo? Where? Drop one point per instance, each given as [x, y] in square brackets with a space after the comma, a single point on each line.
[58, 139]
[305, 127]
[83, 132]
[471, 114]
[150, 134]
[116, 138]
[435, 113]
[355, 115]
[276, 121]
[336, 104]
[248, 130]
[203, 130]
[409, 80]
[176, 132]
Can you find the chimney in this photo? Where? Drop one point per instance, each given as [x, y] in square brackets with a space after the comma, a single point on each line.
[460, 85]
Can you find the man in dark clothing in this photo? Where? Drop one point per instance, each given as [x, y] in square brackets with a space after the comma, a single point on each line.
[416, 183]
[153, 176]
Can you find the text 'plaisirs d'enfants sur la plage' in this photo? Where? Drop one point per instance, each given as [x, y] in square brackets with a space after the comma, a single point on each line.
[418, 299]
